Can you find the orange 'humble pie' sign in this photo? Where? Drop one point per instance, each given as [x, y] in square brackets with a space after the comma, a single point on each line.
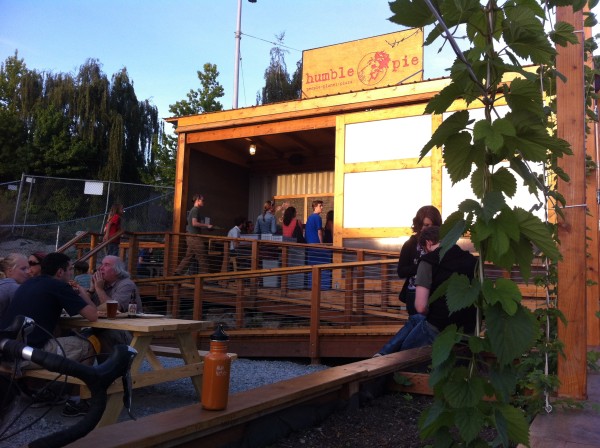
[370, 63]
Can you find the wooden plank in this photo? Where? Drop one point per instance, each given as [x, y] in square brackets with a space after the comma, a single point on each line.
[572, 371]
[419, 383]
[190, 423]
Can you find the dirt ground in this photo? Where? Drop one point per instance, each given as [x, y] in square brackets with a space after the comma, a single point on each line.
[389, 421]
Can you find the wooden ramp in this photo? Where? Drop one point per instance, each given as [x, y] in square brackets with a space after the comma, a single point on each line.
[253, 417]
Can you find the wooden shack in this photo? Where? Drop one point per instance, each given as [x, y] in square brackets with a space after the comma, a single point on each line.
[360, 152]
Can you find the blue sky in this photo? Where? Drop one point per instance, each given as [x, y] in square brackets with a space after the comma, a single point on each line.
[164, 43]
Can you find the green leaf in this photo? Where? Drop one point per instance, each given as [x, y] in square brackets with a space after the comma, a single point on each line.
[463, 390]
[482, 129]
[510, 335]
[504, 382]
[537, 232]
[509, 224]
[476, 344]
[433, 419]
[461, 292]
[503, 291]
[444, 99]
[525, 100]
[523, 257]
[469, 422]
[513, 419]
[503, 180]
[443, 345]
[493, 202]
[413, 14]
[524, 33]
[452, 229]
[563, 34]
[459, 156]
[452, 125]
[499, 242]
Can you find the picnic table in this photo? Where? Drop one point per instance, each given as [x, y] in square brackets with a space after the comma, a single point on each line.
[144, 330]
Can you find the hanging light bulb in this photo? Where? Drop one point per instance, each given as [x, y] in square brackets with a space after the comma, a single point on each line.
[252, 149]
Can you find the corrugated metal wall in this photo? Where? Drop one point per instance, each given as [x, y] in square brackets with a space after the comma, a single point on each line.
[305, 183]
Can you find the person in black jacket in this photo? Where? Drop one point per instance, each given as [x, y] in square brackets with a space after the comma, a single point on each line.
[431, 318]
[411, 252]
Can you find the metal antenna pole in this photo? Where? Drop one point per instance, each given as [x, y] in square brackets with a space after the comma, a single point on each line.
[236, 72]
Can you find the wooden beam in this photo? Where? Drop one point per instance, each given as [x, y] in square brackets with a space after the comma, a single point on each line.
[572, 371]
[592, 224]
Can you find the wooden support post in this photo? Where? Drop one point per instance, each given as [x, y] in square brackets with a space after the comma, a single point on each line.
[592, 224]
[571, 232]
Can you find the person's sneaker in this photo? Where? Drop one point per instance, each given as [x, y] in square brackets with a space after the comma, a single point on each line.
[75, 409]
[47, 397]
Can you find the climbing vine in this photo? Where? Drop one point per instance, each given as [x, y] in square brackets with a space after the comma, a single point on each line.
[494, 153]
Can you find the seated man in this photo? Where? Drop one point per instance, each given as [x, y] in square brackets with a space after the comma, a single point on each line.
[431, 318]
[112, 282]
[43, 298]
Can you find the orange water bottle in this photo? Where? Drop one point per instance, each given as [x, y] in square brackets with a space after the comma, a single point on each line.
[215, 379]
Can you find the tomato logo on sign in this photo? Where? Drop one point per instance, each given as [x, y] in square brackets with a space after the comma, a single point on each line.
[373, 67]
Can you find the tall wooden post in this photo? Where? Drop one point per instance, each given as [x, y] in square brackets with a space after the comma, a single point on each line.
[571, 231]
[592, 222]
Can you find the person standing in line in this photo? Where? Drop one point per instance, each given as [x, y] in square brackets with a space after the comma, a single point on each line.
[35, 263]
[113, 226]
[328, 229]
[195, 246]
[411, 252]
[266, 222]
[313, 232]
[14, 271]
[292, 226]
[235, 232]
[313, 229]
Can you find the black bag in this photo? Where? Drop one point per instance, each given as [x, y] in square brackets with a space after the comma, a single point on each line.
[298, 234]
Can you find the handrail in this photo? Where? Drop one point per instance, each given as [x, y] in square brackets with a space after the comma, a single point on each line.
[94, 250]
[74, 240]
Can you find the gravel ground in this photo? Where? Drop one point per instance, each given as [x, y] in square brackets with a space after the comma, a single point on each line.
[245, 374]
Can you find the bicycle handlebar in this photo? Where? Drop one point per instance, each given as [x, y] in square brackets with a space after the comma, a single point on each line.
[96, 378]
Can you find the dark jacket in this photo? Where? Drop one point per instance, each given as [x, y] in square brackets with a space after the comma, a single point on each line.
[407, 267]
[461, 262]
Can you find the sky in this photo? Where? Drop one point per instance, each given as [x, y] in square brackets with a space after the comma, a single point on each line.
[164, 43]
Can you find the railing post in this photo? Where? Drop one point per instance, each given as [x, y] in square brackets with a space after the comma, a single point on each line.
[167, 257]
[198, 296]
[349, 296]
[133, 254]
[315, 315]
[360, 287]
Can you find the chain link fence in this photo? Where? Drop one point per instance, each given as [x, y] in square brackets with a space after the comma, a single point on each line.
[51, 210]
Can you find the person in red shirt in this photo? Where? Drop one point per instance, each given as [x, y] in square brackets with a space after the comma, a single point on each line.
[113, 226]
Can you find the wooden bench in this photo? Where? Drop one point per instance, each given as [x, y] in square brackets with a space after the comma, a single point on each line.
[246, 411]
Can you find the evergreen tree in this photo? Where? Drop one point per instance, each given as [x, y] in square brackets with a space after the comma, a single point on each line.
[204, 99]
[278, 86]
[78, 125]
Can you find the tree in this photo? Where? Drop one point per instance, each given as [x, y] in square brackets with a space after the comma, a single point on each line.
[500, 37]
[204, 99]
[278, 86]
[78, 125]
